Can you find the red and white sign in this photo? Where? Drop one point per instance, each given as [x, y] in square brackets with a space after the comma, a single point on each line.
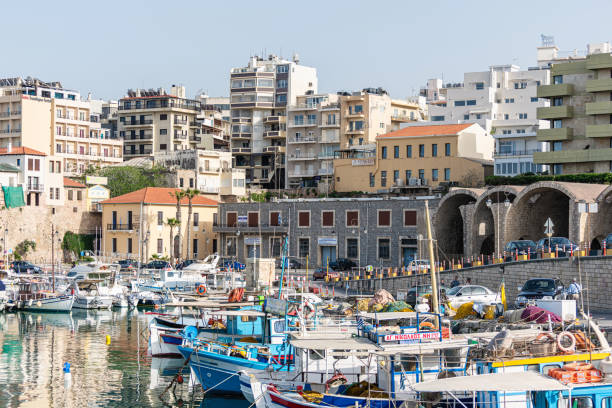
[413, 336]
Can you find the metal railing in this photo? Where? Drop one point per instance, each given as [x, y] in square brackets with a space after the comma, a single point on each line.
[35, 187]
[9, 113]
[122, 227]
[517, 152]
[180, 121]
[138, 122]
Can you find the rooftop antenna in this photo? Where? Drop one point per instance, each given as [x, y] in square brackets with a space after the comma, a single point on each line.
[547, 40]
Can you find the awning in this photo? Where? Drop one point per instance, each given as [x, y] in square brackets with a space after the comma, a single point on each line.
[357, 344]
[391, 315]
[252, 313]
[502, 382]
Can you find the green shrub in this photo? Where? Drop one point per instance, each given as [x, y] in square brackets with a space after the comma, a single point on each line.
[530, 178]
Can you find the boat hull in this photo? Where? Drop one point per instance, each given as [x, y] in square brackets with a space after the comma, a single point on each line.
[93, 302]
[62, 304]
[164, 341]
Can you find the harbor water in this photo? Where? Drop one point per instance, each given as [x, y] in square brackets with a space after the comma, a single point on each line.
[36, 349]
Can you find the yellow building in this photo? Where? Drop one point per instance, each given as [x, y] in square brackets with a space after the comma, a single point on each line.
[417, 156]
[142, 215]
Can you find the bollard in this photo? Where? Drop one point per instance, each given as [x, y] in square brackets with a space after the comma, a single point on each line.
[108, 339]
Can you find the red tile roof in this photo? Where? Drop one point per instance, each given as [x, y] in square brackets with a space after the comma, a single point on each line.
[68, 182]
[158, 195]
[428, 130]
[20, 151]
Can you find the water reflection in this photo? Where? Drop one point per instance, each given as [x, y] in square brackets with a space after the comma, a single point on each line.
[35, 347]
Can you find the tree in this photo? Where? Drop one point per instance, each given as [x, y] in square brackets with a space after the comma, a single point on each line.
[172, 223]
[125, 179]
[22, 249]
[190, 194]
[178, 196]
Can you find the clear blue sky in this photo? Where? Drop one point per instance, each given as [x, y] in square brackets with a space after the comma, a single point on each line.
[106, 47]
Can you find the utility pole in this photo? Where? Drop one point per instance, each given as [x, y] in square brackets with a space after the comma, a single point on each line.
[53, 232]
[432, 263]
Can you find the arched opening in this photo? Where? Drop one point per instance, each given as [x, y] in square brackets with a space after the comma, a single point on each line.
[595, 244]
[488, 245]
[449, 224]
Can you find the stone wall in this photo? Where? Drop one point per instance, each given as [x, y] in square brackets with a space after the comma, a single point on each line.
[594, 272]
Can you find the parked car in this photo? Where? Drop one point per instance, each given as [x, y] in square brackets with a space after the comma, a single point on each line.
[185, 263]
[417, 292]
[420, 265]
[520, 247]
[608, 241]
[321, 273]
[234, 265]
[128, 265]
[540, 288]
[471, 293]
[561, 245]
[158, 265]
[290, 263]
[342, 264]
[25, 267]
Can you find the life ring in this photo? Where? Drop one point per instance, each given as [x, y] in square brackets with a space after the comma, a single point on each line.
[428, 325]
[309, 310]
[546, 335]
[201, 290]
[566, 335]
[578, 367]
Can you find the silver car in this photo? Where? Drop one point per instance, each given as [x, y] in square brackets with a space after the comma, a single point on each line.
[471, 293]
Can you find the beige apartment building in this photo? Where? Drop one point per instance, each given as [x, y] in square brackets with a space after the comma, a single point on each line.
[54, 120]
[371, 113]
[141, 218]
[417, 158]
[580, 114]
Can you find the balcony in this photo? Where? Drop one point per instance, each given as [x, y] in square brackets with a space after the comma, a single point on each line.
[220, 227]
[307, 123]
[122, 227]
[275, 119]
[274, 149]
[246, 150]
[137, 138]
[326, 172]
[402, 118]
[599, 108]
[328, 139]
[515, 153]
[209, 189]
[549, 91]
[599, 130]
[302, 156]
[96, 208]
[573, 156]
[9, 114]
[330, 107]
[145, 152]
[599, 85]
[10, 132]
[325, 156]
[180, 121]
[143, 122]
[555, 112]
[302, 173]
[195, 139]
[297, 140]
[350, 115]
[599, 61]
[180, 136]
[330, 123]
[550, 135]
[242, 120]
[36, 187]
[241, 136]
[355, 131]
[274, 134]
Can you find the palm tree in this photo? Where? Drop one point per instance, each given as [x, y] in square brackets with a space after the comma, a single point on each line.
[178, 195]
[190, 194]
[172, 222]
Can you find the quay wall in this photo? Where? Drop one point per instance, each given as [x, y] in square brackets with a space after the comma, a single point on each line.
[594, 272]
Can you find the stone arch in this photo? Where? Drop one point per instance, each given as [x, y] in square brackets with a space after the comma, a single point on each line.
[534, 205]
[602, 221]
[449, 222]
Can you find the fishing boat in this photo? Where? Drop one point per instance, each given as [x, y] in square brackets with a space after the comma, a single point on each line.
[38, 295]
[90, 296]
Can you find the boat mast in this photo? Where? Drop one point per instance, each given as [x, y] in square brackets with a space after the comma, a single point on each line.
[53, 232]
[432, 263]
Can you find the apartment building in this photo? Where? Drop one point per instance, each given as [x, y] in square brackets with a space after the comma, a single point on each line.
[580, 114]
[503, 101]
[313, 135]
[209, 171]
[259, 95]
[417, 158]
[371, 112]
[54, 120]
[136, 223]
[369, 231]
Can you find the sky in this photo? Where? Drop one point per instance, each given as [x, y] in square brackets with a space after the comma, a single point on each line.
[106, 47]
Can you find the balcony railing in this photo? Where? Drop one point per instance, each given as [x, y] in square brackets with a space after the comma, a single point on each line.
[195, 139]
[180, 136]
[180, 121]
[137, 153]
[122, 227]
[35, 187]
[9, 131]
[138, 137]
[138, 122]
[527, 152]
[302, 140]
[11, 113]
[96, 207]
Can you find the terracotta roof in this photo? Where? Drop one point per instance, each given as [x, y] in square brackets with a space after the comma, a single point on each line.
[68, 182]
[428, 130]
[20, 151]
[157, 195]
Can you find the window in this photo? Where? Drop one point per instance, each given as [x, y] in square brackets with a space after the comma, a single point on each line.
[437, 118]
[114, 244]
[557, 124]
[304, 219]
[459, 103]
[195, 248]
[51, 193]
[372, 181]
[160, 245]
[163, 146]
[190, 182]
[446, 174]
[383, 178]
[557, 101]
[129, 245]
[327, 218]
[434, 174]
[434, 150]
[281, 83]
[422, 174]
[163, 116]
[557, 79]
[421, 150]
[160, 218]
[275, 247]
[506, 116]
[470, 102]
[383, 152]
[303, 246]
[408, 176]
[281, 98]
[57, 193]
[281, 69]
[230, 246]
[466, 117]
[396, 152]
[522, 116]
[231, 219]
[557, 169]
[396, 176]
[70, 195]
[447, 149]
[275, 218]
[410, 218]
[253, 219]
[352, 218]
[384, 218]
[585, 402]
[479, 85]
[557, 146]
[30, 164]
[181, 182]
[352, 248]
[384, 248]
[196, 219]
[534, 99]
[163, 132]
[408, 151]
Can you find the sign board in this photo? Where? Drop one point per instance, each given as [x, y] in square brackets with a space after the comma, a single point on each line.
[548, 227]
[362, 162]
[252, 241]
[98, 191]
[413, 336]
[328, 241]
[242, 219]
[276, 306]
[96, 180]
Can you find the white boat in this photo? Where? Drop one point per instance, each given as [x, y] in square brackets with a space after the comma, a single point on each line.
[89, 295]
[37, 295]
[204, 267]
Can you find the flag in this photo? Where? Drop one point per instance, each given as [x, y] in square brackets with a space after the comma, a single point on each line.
[360, 323]
[503, 296]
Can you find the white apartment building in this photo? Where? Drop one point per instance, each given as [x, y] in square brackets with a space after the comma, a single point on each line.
[313, 135]
[46, 117]
[503, 100]
[259, 95]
